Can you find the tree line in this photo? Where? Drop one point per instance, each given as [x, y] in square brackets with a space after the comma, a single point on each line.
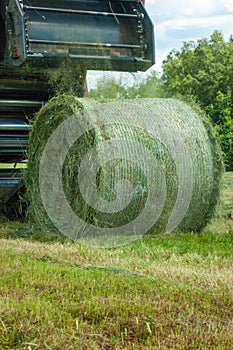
[200, 71]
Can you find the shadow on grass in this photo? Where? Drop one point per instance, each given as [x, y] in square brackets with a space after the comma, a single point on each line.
[167, 244]
[27, 231]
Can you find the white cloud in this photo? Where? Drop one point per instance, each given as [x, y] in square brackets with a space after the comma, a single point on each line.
[151, 2]
[182, 24]
[229, 5]
[187, 11]
[199, 7]
[168, 9]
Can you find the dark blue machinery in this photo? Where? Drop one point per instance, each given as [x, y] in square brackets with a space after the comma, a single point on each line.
[37, 36]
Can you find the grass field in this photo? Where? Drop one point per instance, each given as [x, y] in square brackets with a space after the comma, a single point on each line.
[168, 291]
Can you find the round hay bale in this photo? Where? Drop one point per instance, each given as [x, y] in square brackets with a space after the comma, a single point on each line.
[105, 173]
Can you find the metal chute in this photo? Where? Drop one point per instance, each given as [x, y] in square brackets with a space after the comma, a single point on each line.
[100, 34]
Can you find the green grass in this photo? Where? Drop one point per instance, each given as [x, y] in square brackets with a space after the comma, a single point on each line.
[168, 291]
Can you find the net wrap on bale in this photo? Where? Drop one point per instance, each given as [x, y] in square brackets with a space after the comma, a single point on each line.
[107, 172]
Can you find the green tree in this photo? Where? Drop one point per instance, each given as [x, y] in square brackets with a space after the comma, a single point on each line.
[204, 70]
[221, 114]
[108, 87]
[151, 87]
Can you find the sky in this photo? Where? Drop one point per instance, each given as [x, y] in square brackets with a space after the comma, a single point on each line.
[176, 21]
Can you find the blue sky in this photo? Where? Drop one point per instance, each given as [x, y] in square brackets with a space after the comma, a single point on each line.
[176, 21]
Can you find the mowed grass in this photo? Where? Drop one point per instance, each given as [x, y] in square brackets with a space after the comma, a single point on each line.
[168, 291]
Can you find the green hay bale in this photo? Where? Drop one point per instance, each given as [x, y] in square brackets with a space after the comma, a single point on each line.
[137, 166]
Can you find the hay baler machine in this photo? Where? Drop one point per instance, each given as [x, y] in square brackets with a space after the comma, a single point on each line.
[41, 36]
